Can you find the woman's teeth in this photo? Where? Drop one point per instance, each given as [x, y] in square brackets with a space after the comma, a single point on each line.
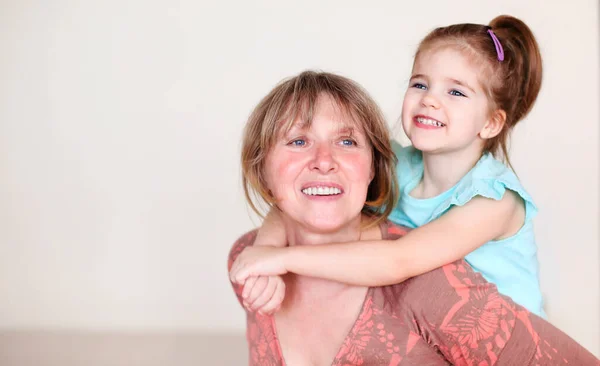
[321, 191]
[430, 122]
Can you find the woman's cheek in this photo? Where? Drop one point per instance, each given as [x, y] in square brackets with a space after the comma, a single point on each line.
[283, 170]
[359, 167]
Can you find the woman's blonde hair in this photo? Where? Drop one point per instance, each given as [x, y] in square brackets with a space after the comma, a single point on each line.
[297, 98]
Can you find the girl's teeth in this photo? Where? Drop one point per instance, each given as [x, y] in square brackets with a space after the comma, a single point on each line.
[430, 122]
[321, 191]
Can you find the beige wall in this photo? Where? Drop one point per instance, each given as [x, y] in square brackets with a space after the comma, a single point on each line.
[56, 348]
[120, 124]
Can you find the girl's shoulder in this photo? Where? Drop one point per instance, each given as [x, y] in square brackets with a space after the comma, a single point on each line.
[489, 178]
[409, 165]
[406, 154]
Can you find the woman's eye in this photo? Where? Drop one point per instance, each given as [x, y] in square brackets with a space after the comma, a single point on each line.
[297, 142]
[348, 142]
[419, 86]
[456, 93]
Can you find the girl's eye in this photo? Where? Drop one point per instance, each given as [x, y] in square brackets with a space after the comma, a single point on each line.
[419, 86]
[297, 142]
[456, 93]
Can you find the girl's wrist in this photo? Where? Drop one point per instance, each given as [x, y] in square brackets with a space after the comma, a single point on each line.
[288, 258]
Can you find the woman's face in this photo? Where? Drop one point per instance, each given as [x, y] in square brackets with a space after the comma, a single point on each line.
[320, 175]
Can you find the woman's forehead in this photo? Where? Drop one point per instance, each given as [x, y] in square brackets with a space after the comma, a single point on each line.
[342, 117]
[338, 126]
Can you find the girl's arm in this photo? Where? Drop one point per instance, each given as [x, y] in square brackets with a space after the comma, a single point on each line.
[265, 293]
[384, 262]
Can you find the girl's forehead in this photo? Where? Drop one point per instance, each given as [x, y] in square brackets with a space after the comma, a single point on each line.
[444, 55]
[451, 64]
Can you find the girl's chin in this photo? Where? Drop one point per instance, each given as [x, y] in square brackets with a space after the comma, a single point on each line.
[425, 146]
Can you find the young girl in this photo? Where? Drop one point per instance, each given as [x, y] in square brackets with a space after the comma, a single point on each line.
[470, 85]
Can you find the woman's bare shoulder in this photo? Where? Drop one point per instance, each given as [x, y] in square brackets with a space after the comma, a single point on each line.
[240, 244]
[391, 231]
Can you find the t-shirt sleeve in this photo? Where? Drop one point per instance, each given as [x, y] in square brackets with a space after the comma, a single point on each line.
[490, 178]
[409, 162]
[463, 316]
[409, 167]
[244, 241]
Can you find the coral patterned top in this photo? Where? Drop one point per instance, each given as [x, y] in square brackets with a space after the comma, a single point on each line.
[450, 315]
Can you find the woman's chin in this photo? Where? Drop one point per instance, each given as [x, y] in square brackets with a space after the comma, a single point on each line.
[332, 224]
[323, 220]
[324, 227]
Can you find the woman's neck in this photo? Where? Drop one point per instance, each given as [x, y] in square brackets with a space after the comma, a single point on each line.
[442, 171]
[303, 288]
[304, 235]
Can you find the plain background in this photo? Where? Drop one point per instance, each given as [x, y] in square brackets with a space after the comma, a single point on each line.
[120, 128]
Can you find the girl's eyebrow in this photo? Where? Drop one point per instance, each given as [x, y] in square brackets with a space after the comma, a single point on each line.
[452, 80]
[461, 83]
[418, 76]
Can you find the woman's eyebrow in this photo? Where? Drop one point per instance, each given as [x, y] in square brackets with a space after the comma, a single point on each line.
[295, 127]
[345, 129]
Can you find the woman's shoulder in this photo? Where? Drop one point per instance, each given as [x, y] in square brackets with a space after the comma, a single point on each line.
[433, 294]
[240, 244]
[392, 231]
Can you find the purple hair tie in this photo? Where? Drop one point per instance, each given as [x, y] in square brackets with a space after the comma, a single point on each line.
[499, 49]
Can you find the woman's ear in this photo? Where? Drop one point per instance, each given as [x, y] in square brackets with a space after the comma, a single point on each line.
[494, 125]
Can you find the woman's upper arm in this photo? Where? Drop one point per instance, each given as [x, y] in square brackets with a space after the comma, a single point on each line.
[239, 245]
[470, 322]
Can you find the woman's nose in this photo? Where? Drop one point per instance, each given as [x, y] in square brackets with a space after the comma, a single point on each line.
[324, 160]
[430, 101]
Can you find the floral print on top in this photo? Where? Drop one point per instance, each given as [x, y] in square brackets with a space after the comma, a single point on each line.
[450, 315]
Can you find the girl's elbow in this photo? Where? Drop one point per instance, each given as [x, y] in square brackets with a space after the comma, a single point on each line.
[400, 272]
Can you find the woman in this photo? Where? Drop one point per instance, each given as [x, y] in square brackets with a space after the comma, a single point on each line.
[317, 148]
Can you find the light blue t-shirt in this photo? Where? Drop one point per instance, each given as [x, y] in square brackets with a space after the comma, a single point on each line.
[511, 263]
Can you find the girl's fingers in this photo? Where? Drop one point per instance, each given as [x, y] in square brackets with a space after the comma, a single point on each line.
[259, 286]
[248, 287]
[276, 300]
[263, 297]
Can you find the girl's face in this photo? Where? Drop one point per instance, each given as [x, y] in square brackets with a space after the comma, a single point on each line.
[320, 174]
[445, 108]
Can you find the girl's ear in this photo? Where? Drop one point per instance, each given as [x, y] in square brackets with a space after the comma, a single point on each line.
[494, 125]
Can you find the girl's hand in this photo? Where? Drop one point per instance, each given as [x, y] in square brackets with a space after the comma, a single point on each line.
[263, 294]
[258, 261]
